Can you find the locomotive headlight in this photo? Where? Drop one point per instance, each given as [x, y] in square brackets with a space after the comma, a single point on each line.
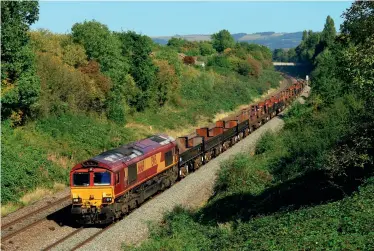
[107, 199]
[77, 200]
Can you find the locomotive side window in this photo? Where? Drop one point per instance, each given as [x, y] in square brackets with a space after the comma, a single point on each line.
[168, 158]
[132, 173]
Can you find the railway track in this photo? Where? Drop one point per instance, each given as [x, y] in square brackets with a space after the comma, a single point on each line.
[28, 220]
[93, 236]
[63, 239]
[81, 244]
[74, 233]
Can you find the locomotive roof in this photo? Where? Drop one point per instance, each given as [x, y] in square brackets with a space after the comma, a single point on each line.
[130, 151]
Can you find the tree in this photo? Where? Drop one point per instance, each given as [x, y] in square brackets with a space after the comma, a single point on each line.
[167, 82]
[307, 50]
[305, 35]
[222, 40]
[74, 55]
[359, 21]
[20, 85]
[138, 48]
[206, 48]
[358, 31]
[329, 32]
[176, 43]
[101, 45]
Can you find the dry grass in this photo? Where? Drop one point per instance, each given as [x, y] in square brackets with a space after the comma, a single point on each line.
[57, 187]
[40, 193]
[29, 198]
[188, 129]
[36, 195]
[9, 208]
[60, 161]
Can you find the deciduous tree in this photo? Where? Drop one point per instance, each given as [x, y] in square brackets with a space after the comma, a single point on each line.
[20, 85]
[222, 40]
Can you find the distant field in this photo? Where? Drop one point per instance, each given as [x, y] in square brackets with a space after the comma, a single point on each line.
[270, 39]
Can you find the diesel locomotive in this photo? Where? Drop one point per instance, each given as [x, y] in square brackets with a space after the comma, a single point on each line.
[111, 184]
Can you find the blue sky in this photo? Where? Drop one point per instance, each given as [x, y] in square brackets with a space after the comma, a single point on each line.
[183, 18]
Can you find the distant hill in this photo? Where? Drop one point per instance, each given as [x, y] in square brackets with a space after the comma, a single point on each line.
[270, 39]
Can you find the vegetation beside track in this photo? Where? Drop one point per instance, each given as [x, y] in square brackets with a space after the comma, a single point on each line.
[95, 89]
[311, 186]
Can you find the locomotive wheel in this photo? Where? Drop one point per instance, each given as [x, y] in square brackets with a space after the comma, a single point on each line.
[183, 171]
[233, 141]
[198, 163]
[174, 175]
[247, 132]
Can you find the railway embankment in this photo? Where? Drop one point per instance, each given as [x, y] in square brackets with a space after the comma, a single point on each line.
[56, 231]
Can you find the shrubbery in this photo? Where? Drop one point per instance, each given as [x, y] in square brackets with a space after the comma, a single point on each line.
[309, 187]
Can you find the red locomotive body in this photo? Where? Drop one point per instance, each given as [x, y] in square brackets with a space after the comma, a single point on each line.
[113, 182]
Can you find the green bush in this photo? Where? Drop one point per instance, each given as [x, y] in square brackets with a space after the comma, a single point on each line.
[26, 151]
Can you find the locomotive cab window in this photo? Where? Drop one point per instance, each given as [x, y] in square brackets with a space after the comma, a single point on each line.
[168, 158]
[102, 178]
[81, 179]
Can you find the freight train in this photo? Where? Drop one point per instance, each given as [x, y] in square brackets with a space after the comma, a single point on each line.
[111, 184]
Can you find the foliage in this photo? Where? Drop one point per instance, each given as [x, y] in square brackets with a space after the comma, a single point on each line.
[307, 50]
[282, 55]
[189, 60]
[45, 150]
[359, 22]
[222, 40]
[138, 48]
[255, 67]
[171, 56]
[167, 82]
[359, 56]
[176, 43]
[66, 89]
[102, 45]
[74, 55]
[336, 225]
[206, 48]
[294, 185]
[19, 83]
[329, 32]
[310, 186]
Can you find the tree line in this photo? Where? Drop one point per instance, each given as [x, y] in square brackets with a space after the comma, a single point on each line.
[312, 43]
[94, 69]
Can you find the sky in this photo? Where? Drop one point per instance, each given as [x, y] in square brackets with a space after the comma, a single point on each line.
[183, 18]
